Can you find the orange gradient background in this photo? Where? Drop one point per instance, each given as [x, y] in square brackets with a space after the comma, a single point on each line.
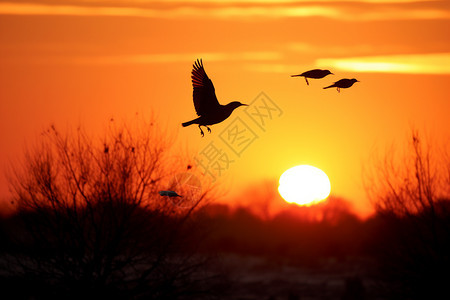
[84, 62]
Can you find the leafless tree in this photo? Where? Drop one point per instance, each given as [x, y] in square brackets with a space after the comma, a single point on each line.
[412, 182]
[92, 223]
[411, 193]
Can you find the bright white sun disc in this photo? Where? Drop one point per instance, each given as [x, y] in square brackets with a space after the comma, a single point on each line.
[304, 185]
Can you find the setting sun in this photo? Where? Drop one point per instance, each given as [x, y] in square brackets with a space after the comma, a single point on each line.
[304, 185]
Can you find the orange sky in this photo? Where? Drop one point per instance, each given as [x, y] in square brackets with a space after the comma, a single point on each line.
[70, 62]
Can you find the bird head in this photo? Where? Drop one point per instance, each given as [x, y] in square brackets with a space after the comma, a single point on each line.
[354, 80]
[235, 104]
[328, 72]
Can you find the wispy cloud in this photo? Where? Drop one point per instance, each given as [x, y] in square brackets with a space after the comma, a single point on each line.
[73, 10]
[158, 58]
[183, 57]
[437, 63]
[344, 50]
[175, 12]
[232, 9]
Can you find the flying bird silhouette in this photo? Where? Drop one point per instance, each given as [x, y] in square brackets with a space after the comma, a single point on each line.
[208, 108]
[169, 193]
[342, 84]
[316, 74]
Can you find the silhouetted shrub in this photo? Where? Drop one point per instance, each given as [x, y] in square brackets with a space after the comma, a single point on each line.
[91, 224]
[411, 194]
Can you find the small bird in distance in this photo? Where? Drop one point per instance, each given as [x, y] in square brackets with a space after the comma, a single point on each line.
[315, 74]
[169, 194]
[342, 84]
[208, 108]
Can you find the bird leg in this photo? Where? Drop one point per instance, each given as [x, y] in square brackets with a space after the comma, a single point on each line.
[201, 131]
[307, 81]
[339, 90]
[209, 130]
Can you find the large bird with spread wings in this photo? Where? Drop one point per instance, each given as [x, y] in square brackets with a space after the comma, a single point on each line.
[208, 108]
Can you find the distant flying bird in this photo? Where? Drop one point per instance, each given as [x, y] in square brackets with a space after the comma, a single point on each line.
[316, 74]
[169, 193]
[342, 84]
[205, 101]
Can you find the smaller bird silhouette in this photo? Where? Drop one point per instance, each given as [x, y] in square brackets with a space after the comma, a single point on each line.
[208, 108]
[342, 84]
[316, 74]
[169, 194]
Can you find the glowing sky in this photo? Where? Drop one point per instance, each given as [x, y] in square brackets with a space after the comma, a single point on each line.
[70, 62]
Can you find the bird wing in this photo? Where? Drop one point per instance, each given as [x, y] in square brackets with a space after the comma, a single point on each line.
[204, 95]
[310, 73]
[341, 82]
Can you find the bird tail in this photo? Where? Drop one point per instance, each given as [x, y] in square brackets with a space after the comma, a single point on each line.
[187, 123]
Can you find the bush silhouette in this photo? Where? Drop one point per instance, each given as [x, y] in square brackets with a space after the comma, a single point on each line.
[411, 195]
[90, 222]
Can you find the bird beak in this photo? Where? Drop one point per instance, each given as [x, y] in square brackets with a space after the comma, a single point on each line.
[331, 73]
[242, 104]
